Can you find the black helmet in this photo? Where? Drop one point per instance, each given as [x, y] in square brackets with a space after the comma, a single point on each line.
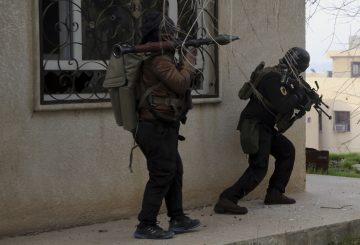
[296, 58]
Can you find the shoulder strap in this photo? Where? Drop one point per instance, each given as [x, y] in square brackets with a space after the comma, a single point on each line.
[267, 105]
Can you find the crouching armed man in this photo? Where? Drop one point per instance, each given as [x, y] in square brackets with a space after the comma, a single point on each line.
[275, 96]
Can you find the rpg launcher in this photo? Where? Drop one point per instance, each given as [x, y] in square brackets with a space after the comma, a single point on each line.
[314, 98]
[120, 48]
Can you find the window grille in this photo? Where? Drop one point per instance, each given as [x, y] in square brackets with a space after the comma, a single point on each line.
[77, 36]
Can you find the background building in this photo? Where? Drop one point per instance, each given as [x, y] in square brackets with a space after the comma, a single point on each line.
[63, 160]
[341, 91]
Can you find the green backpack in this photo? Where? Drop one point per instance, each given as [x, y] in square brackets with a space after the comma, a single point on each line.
[122, 80]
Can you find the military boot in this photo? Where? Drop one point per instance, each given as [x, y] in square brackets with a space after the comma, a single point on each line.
[226, 206]
[274, 196]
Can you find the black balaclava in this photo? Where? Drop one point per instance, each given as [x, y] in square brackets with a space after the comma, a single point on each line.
[153, 26]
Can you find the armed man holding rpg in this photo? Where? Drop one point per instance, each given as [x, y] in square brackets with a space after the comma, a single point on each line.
[166, 102]
[151, 94]
[275, 94]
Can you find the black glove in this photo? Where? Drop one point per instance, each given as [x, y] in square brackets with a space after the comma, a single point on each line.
[292, 85]
[299, 93]
[303, 100]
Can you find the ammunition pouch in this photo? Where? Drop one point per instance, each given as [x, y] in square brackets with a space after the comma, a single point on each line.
[249, 136]
[177, 105]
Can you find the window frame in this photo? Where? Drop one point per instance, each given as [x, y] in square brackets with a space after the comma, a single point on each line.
[86, 104]
[341, 122]
[353, 74]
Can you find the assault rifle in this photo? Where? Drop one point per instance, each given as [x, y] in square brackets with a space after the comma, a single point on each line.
[314, 98]
[285, 121]
[120, 48]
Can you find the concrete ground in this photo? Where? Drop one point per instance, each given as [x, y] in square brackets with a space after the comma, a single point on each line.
[329, 211]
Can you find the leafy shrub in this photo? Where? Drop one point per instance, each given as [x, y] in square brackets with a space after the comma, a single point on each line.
[336, 157]
[353, 157]
[344, 160]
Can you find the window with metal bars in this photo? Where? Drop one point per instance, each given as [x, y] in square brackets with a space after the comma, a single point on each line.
[77, 37]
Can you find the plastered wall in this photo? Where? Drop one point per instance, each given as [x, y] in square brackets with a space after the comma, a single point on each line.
[69, 167]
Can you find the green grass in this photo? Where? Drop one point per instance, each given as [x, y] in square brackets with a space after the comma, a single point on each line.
[349, 241]
[343, 173]
[335, 171]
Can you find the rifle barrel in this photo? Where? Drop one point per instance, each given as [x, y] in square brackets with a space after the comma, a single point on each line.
[318, 104]
[317, 107]
[322, 102]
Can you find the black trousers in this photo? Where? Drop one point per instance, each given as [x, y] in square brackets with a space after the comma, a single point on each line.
[270, 142]
[159, 143]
